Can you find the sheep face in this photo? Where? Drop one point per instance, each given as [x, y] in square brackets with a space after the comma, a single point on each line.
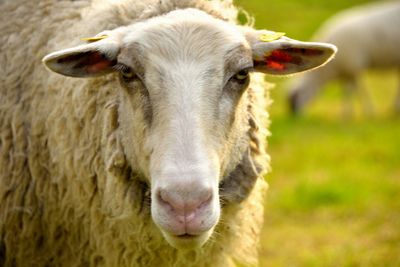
[183, 105]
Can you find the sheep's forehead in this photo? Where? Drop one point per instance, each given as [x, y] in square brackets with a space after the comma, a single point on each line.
[185, 34]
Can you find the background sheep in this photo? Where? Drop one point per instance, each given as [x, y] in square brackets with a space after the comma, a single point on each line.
[367, 37]
[81, 159]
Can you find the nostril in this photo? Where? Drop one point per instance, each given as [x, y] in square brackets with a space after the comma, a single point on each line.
[205, 199]
[184, 204]
[198, 202]
[164, 199]
[172, 201]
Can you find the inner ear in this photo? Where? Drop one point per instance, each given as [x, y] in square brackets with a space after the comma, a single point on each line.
[289, 60]
[88, 60]
[81, 64]
[92, 62]
[281, 55]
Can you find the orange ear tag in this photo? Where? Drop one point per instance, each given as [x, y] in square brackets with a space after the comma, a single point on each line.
[94, 39]
[271, 36]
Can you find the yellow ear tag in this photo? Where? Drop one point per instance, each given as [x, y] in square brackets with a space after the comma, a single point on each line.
[94, 39]
[271, 36]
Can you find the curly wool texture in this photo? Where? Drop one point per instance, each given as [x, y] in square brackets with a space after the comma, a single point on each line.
[67, 194]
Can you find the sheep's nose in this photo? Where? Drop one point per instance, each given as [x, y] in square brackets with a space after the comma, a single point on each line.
[185, 205]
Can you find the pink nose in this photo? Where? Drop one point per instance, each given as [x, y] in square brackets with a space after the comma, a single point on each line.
[185, 206]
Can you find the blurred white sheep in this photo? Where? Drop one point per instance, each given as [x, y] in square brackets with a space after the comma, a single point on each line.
[367, 37]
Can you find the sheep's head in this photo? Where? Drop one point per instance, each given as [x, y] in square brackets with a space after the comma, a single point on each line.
[183, 111]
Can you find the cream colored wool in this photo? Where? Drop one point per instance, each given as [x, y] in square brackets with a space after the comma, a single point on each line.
[67, 194]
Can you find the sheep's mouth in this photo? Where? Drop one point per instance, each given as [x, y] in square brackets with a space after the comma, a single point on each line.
[187, 241]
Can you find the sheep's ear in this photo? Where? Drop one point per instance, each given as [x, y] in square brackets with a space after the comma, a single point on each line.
[88, 60]
[273, 53]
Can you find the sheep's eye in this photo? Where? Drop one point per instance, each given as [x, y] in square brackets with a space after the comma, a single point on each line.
[242, 75]
[241, 79]
[127, 73]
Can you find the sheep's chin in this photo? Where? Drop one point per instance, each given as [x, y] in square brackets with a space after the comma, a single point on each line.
[187, 242]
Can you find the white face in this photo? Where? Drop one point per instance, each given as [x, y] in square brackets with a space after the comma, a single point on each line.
[183, 105]
[189, 92]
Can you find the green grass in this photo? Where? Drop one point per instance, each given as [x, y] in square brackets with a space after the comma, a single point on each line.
[334, 197]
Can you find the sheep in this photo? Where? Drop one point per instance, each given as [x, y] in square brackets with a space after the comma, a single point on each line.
[367, 37]
[141, 144]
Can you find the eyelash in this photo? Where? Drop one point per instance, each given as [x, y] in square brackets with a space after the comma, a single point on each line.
[119, 67]
[241, 77]
[126, 72]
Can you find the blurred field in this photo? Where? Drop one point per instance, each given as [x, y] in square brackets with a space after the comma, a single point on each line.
[334, 197]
